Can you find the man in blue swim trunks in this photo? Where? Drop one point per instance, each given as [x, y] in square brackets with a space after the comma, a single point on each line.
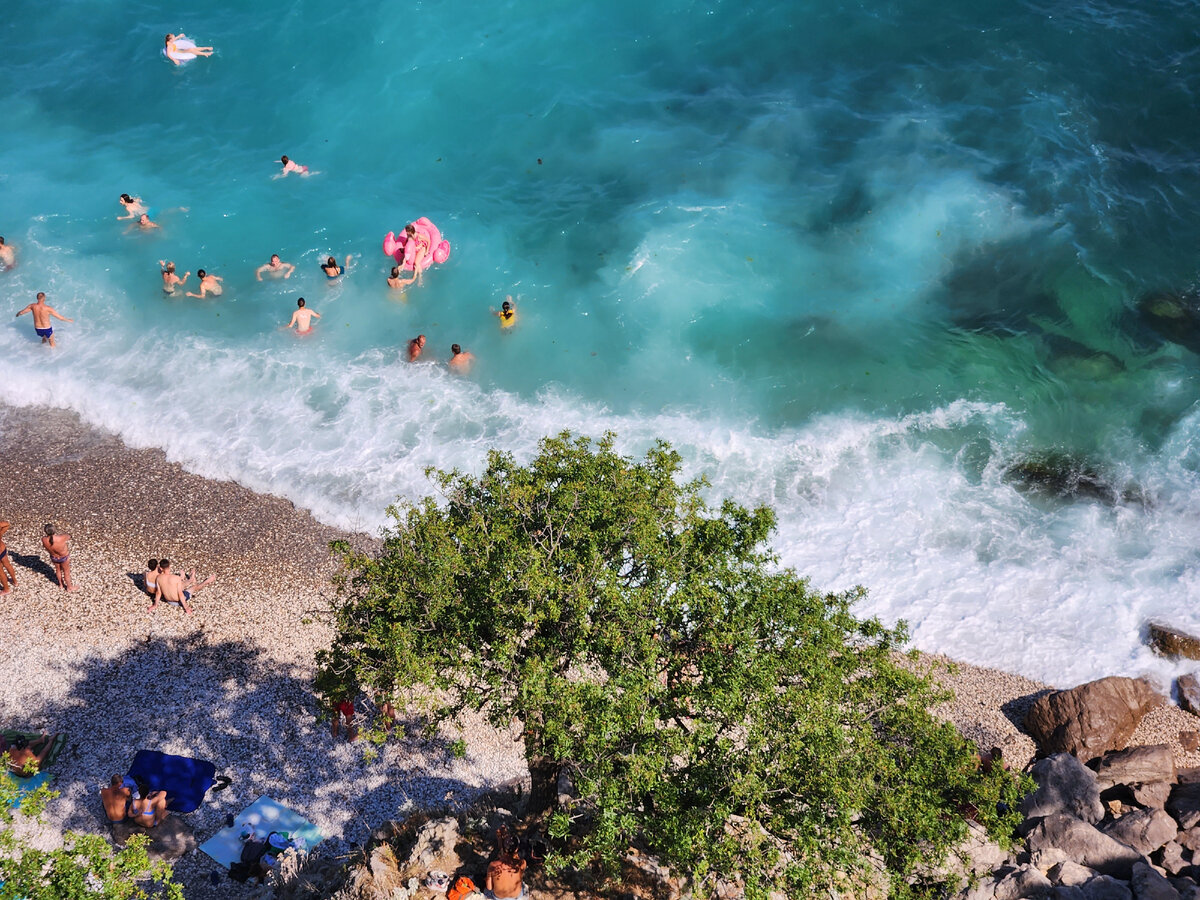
[41, 318]
[173, 589]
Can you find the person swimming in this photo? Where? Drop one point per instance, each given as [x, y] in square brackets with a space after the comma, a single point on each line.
[397, 281]
[331, 268]
[133, 206]
[170, 279]
[507, 313]
[289, 166]
[177, 54]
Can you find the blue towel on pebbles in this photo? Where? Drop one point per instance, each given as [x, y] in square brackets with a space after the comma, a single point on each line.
[264, 815]
[185, 780]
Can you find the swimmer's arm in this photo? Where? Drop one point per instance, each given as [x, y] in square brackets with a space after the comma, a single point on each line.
[25, 310]
[258, 272]
[290, 269]
[316, 315]
[54, 313]
[293, 322]
[199, 295]
[185, 277]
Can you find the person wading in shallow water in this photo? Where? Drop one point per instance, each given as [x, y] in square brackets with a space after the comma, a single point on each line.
[56, 545]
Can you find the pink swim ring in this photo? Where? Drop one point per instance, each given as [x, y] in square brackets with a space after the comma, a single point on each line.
[405, 252]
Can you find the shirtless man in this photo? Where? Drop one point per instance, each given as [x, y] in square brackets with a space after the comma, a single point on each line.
[506, 872]
[460, 360]
[143, 223]
[397, 282]
[174, 589]
[302, 318]
[170, 279]
[60, 554]
[6, 566]
[7, 255]
[415, 346]
[275, 268]
[116, 798]
[209, 284]
[41, 318]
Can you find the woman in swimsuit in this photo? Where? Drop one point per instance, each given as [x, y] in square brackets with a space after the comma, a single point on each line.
[172, 50]
[133, 206]
[7, 574]
[332, 269]
[170, 279]
[150, 579]
[424, 251]
[56, 545]
[148, 810]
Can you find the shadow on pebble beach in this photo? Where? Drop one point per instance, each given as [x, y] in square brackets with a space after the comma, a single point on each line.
[251, 715]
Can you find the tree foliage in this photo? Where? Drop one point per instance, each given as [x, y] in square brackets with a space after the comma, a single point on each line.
[707, 704]
[85, 867]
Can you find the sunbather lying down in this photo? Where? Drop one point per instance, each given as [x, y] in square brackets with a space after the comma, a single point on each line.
[127, 799]
[25, 757]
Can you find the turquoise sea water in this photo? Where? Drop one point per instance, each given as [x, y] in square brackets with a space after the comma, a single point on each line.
[855, 260]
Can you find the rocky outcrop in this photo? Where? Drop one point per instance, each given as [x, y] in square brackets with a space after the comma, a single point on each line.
[1065, 785]
[1171, 642]
[1187, 688]
[1083, 843]
[1137, 765]
[1092, 718]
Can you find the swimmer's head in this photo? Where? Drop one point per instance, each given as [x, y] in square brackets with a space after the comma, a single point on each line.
[420, 340]
[152, 565]
[506, 306]
[170, 37]
[41, 295]
[143, 219]
[300, 303]
[410, 229]
[395, 271]
[125, 198]
[201, 273]
[455, 349]
[164, 564]
[284, 160]
[331, 262]
[274, 257]
[1, 242]
[169, 267]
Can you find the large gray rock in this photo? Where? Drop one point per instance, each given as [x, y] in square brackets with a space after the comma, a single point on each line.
[1070, 873]
[1145, 830]
[1149, 884]
[1172, 858]
[1065, 785]
[1083, 843]
[1066, 892]
[975, 856]
[1187, 688]
[1184, 805]
[1104, 887]
[1136, 765]
[1024, 882]
[1172, 642]
[1089, 719]
[1152, 794]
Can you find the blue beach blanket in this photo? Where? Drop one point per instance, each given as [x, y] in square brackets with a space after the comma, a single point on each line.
[26, 785]
[185, 780]
[264, 815]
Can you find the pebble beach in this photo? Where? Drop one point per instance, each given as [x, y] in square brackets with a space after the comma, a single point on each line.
[231, 683]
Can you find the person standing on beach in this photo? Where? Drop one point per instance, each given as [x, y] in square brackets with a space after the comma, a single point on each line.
[7, 575]
[209, 284]
[174, 589]
[302, 318]
[8, 256]
[41, 318]
[275, 268]
[415, 346]
[60, 554]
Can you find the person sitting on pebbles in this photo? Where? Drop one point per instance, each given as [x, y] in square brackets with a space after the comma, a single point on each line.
[116, 797]
[174, 589]
[506, 873]
[26, 756]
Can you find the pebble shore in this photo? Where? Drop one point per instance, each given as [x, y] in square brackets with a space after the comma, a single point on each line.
[231, 684]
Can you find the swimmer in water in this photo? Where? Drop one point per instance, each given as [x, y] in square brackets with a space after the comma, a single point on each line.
[8, 256]
[424, 252]
[397, 282]
[170, 279]
[289, 166]
[276, 268]
[415, 346]
[173, 50]
[133, 206]
[42, 312]
[460, 360]
[143, 223]
[209, 284]
[507, 313]
[302, 318]
[331, 268]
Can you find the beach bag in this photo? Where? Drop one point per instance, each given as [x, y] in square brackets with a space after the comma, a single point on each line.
[462, 887]
[253, 852]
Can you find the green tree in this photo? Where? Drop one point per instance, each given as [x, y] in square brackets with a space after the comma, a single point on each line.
[85, 867]
[705, 703]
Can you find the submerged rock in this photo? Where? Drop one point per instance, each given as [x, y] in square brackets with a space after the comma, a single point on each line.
[1173, 317]
[1063, 476]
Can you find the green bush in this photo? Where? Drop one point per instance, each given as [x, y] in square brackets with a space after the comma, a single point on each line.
[707, 705]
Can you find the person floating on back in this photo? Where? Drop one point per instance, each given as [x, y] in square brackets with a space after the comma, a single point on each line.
[302, 318]
[179, 48]
[41, 318]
